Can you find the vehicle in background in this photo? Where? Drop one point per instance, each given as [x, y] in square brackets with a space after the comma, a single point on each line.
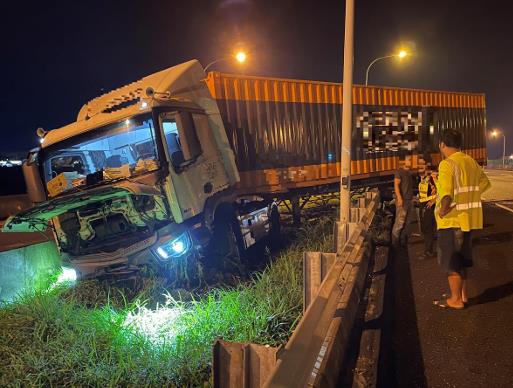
[180, 163]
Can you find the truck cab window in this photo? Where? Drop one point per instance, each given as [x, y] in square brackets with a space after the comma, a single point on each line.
[181, 138]
[119, 150]
[68, 163]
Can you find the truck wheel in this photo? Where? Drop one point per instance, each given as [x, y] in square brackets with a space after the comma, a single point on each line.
[226, 245]
[274, 227]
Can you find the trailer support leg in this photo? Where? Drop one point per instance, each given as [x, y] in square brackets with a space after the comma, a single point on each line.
[296, 210]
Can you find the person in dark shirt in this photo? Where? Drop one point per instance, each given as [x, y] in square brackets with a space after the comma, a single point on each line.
[403, 189]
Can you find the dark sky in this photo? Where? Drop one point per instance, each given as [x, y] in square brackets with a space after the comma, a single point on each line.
[58, 55]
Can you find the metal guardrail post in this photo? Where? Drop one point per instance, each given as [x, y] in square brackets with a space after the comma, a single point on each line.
[323, 332]
[315, 267]
[242, 365]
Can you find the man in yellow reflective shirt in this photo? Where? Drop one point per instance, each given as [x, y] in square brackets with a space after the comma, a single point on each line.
[458, 212]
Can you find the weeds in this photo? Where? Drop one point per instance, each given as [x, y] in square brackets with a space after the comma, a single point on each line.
[96, 335]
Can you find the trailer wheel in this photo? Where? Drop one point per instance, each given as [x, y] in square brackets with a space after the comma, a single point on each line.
[274, 227]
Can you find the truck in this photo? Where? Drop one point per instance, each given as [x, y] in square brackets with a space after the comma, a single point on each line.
[181, 163]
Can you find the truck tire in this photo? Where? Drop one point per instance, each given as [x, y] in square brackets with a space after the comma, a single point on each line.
[226, 245]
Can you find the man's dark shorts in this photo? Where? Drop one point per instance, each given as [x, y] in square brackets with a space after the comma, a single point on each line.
[454, 250]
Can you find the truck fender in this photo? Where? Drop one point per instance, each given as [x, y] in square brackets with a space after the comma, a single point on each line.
[219, 201]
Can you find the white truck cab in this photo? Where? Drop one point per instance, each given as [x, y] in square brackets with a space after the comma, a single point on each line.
[146, 173]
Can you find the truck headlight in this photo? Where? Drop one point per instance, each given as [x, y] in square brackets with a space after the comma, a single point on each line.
[174, 248]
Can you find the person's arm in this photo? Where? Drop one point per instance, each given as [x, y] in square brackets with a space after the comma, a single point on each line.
[484, 182]
[433, 192]
[445, 206]
[397, 190]
[446, 188]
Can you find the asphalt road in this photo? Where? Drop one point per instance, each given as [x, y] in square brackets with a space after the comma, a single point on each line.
[502, 185]
[434, 347]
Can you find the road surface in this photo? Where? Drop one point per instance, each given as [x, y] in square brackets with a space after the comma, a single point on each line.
[502, 185]
[433, 347]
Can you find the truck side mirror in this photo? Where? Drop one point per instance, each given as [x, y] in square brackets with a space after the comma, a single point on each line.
[35, 188]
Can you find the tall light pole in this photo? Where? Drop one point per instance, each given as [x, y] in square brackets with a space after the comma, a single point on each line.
[401, 54]
[239, 57]
[496, 133]
[347, 107]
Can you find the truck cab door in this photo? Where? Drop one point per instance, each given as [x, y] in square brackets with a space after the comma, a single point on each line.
[196, 167]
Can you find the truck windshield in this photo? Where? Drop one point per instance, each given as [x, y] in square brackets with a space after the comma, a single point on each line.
[115, 151]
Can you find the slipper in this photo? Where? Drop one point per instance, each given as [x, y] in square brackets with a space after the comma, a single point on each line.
[444, 305]
[447, 296]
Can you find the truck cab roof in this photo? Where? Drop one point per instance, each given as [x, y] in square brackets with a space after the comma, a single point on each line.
[179, 82]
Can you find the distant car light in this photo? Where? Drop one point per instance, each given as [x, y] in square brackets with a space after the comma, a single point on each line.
[174, 248]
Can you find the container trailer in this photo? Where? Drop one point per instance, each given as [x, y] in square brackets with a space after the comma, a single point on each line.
[182, 163]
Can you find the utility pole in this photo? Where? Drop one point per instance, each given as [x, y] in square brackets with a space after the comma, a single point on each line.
[347, 108]
[503, 151]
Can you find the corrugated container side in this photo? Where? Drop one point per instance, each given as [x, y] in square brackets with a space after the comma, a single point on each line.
[286, 133]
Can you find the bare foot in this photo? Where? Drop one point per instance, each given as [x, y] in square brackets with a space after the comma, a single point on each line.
[448, 304]
[459, 304]
[464, 298]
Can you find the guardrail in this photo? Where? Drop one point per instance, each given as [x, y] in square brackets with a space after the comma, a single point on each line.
[313, 356]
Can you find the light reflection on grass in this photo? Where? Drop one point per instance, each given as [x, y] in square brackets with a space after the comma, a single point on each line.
[91, 334]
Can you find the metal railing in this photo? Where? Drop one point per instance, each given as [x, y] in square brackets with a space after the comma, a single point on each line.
[333, 289]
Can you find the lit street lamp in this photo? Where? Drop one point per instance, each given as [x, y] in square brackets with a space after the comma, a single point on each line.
[495, 134]
[401, 54]
[239, 57]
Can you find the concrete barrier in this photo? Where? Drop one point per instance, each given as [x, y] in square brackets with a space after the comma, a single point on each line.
[12, 204]
[27, 268]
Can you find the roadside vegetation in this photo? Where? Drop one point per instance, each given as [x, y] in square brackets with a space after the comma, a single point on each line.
[94, 334]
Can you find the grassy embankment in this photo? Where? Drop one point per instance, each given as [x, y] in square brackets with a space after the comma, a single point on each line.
[93, 335]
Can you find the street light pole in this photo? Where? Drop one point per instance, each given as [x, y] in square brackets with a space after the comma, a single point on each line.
[401, 54]
[372, 63]
[214, 62]
[503, 151]
[495, 133]
[347, 106]
[239, 57]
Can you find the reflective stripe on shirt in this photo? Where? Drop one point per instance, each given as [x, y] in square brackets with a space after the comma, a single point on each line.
[465, 189]
[470, 205]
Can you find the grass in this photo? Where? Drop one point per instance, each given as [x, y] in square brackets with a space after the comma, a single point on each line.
[95, 335]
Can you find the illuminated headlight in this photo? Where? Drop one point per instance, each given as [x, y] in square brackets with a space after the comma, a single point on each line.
[67, 275]
[174, 248]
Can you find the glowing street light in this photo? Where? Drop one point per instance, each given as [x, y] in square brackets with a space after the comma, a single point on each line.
[495, 134]
[401, 54]
[239, 56]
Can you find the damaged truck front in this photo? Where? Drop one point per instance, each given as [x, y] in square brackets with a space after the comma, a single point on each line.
[145, 175]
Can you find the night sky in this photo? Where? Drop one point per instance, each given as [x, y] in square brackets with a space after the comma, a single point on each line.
[58, 55]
